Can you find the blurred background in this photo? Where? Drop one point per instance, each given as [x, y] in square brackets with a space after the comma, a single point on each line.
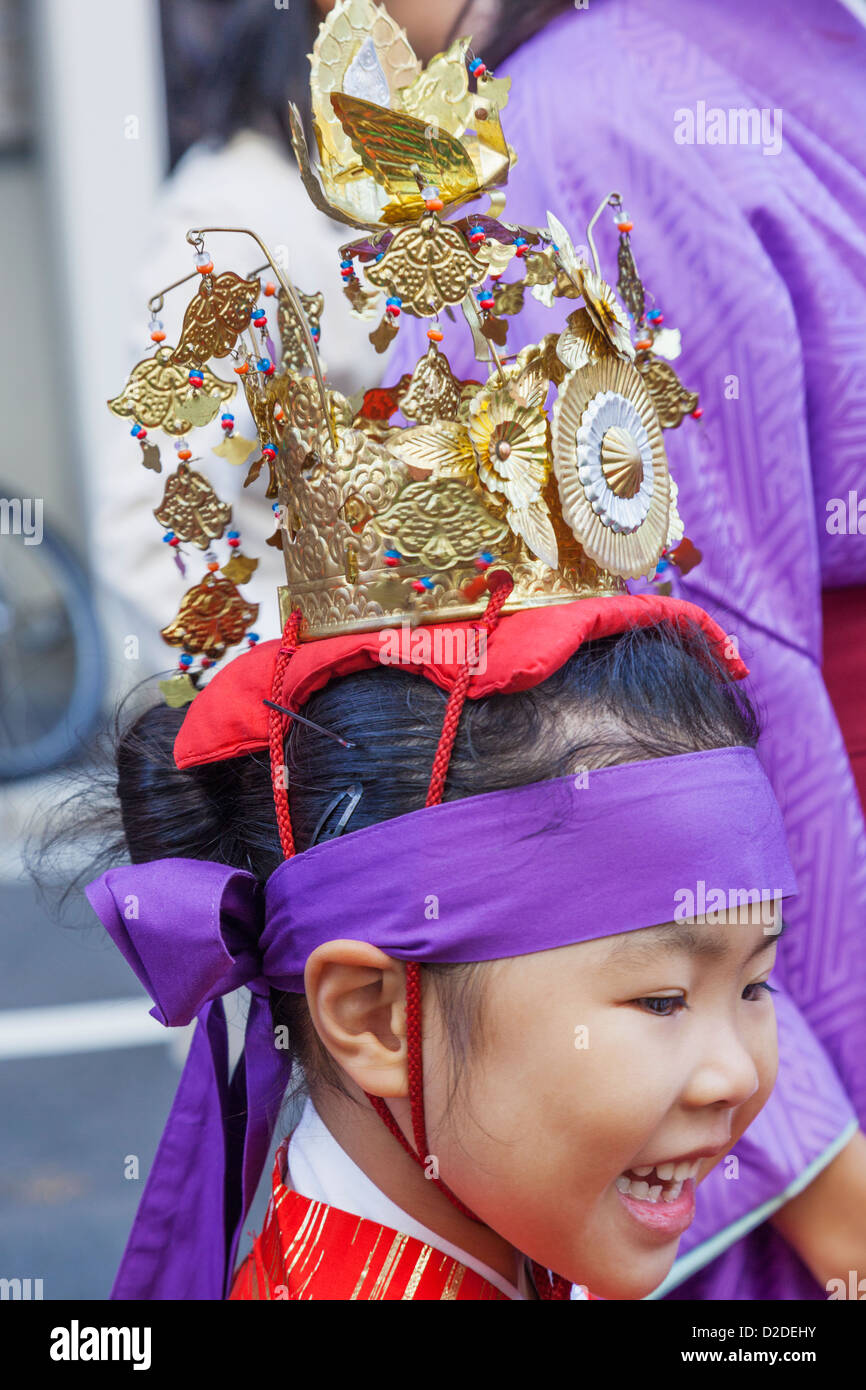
[121, 126]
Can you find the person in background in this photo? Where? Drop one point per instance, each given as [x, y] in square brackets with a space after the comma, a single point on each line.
[772, 233]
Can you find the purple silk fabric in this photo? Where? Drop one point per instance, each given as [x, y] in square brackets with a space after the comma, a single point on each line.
[501, 874]
[760, 260]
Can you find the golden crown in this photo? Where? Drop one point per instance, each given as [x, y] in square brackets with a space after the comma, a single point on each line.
[380, 523]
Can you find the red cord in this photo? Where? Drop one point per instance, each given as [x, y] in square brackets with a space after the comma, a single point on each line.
[276, 735]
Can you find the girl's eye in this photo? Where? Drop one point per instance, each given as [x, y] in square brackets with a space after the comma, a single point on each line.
[665, 1006]
[758, 991]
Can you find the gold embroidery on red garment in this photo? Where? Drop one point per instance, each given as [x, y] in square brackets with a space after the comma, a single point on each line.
[310, 1251]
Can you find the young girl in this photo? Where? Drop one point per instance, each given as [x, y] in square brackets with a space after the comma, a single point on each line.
[506, 949]
[588, 1052]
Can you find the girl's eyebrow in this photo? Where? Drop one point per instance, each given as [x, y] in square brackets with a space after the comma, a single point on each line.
[678, 939]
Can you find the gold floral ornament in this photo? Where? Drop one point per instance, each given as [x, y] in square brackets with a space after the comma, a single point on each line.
[212, 616]
[377, 113]
[611, 467]
[158, 394]
[427, 266]
[215, 317]
[509, 433]
[606, 314]
[191, 508]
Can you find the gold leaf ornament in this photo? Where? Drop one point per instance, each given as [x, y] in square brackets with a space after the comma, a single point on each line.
[178, 691]
[295, 354]
[240, 568]
[191, 508]
[235, 448]
[212, 617]
[158, 394]
[433, 391]
[672, 401]
[215, 318]
[427, 266]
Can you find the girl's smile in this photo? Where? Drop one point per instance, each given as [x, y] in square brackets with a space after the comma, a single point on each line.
[601, 1083]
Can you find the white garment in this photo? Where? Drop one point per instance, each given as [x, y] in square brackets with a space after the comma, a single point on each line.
[320, 1169]
[253, 183]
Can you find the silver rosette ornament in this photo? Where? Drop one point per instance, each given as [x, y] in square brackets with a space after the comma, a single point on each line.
[611, 467]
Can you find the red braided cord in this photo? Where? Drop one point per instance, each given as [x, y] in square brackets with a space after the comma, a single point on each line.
[501, 585]
[276, 737]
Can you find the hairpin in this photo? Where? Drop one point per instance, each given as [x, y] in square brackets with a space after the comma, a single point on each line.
[309, 722]
[354, 793]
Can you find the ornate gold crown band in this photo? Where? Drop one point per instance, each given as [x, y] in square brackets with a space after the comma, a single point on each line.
[381, 523]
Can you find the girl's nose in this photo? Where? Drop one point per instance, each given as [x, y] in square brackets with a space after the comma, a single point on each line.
[725, 1071]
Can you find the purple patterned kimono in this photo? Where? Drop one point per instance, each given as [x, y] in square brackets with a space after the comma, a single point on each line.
[757, 252]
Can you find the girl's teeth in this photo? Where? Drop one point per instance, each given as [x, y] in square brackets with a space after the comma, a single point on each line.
[672, 1177]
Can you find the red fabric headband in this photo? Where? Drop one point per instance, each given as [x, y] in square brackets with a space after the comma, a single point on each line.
[227, 718]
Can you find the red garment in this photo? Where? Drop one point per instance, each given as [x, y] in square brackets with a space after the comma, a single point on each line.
[845, 672]
[309, 1250]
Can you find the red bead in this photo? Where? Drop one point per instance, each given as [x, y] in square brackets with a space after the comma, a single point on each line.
[696, 414]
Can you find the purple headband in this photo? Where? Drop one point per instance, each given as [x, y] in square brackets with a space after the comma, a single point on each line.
[501, 874]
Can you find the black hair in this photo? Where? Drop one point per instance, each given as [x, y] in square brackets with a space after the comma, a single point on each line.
[648, 692]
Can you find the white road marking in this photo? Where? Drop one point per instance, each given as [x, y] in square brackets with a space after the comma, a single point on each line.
[94, 1027]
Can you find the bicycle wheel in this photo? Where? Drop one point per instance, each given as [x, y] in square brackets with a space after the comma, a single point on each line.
[52, 660]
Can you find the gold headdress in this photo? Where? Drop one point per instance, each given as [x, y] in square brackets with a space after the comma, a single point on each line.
[381, 523]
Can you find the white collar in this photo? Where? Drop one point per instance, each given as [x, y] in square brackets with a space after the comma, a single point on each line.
[320, 1169]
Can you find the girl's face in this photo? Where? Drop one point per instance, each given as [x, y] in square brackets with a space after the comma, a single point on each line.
[608, 1076]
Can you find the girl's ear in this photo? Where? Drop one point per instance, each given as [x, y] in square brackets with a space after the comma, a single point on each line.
[357, 1001]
